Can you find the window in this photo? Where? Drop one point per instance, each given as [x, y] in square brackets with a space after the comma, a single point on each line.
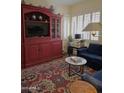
[95, 18]
[81, 21]
[86, 35]
[66, 27]
[87, 20]
[74, 26]
[80, 24]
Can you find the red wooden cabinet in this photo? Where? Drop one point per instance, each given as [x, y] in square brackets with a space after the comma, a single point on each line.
[37, 53]
[45, 51]
[40, 36]
[31, 54]
[57, 49]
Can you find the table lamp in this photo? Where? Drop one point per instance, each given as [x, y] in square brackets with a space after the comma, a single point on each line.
[96, 26]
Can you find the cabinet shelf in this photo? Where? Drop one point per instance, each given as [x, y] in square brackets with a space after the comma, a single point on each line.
[33, 21]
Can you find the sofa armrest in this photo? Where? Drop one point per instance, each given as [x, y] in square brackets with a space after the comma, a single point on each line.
[82, 49]
[97, 83]
[92, 80]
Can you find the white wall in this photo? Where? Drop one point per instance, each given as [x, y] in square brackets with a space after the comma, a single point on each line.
[86, 6]
[63, 10]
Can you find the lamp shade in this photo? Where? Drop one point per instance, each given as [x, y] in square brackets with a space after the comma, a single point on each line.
[93, 27]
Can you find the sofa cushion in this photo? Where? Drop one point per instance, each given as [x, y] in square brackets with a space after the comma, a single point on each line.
[92, 56]
[95, 49]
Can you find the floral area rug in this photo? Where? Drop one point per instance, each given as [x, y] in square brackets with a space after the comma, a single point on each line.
[51, 77]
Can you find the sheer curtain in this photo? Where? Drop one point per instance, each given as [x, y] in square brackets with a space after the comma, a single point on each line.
[80, 24]
[95, 18]
[66, 27]
[87, 20]
[74, 26]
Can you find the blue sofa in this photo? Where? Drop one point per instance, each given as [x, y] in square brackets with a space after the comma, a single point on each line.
[95, 79]
[93, 55]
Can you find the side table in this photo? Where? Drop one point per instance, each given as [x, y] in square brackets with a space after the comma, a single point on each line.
[76, 61]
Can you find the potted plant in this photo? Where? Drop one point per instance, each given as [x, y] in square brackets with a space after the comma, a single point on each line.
[70, 40]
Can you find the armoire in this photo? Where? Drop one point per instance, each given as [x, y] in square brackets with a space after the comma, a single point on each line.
[40, 35]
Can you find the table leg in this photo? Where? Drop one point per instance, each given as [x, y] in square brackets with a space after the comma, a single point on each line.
[69, 70]
[81, 69]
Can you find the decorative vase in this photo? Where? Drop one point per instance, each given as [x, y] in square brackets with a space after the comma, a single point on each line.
[51, 8]
[23, 1]
[33, 17]
[40, 17]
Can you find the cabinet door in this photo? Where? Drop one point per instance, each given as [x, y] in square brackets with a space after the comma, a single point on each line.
[32, 54]
[57, 49]
[22, 56]
[53, 28]
[45, 51]
[58, 27]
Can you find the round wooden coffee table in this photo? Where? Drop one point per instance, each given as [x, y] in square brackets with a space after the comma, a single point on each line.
[81, 87]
